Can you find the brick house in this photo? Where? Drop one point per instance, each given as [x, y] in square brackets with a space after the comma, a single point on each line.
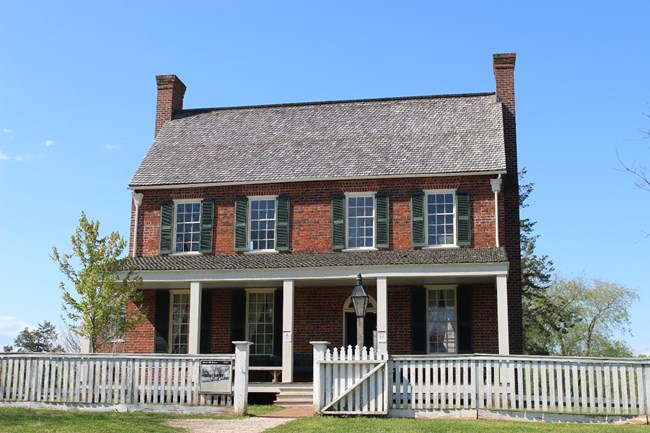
[251, 223]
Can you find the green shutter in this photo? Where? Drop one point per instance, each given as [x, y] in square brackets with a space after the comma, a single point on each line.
[417, 219]
[207, 226]
[166, 227]
[465, 319]
[338, 222]
[206, 322]
[282, 223]
[161, 322]
[418, 320]
[383, 226]
[241, 224]
[463, 214]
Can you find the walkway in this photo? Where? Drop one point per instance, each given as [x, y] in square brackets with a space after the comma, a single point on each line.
[242, 425]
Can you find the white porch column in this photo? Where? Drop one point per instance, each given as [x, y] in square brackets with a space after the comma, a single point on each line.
[195, 318]
[502, 314]
[287, 331]
[382, 315]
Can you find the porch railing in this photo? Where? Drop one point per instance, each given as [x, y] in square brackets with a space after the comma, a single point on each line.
[105, 379]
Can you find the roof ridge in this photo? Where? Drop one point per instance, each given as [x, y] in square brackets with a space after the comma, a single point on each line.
[331, 102]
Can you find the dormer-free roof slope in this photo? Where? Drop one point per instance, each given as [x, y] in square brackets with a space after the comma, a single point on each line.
[397, 137]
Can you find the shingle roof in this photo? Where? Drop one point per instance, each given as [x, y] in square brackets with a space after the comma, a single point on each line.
[320, 260]
[332, 140]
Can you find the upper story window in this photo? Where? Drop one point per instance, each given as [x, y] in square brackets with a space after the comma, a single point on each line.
[360, 221]
[440, 218]
[262, 224]
[186, 226]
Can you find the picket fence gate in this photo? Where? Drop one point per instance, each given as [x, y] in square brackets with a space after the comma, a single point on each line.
[360, 381]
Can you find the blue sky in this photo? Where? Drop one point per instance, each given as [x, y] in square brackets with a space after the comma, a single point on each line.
[77, 109]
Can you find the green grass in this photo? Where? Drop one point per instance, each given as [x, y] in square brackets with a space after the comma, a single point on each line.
[24, 420]
[394, 425]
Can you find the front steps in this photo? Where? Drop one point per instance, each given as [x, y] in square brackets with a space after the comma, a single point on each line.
[295, 394]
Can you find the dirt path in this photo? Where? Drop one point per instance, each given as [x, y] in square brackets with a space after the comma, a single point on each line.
[242, 425]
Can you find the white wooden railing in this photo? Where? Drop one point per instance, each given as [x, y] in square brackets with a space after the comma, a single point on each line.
[349, 381]
[105, 379]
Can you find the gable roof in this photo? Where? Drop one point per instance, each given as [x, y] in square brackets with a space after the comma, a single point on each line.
[397, 137]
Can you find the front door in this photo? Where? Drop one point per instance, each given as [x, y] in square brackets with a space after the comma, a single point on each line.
[369, 329]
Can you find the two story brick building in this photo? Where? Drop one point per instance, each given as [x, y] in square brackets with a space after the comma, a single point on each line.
[251, 223]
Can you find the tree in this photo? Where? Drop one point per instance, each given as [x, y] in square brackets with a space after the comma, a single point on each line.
[638, 170]
[103, 283]
[42, 339]
[600, 310]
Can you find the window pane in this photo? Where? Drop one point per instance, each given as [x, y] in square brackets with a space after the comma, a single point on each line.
[441, 321]
[260, 322]
[262, 223]
[440, 219]
[187, 227]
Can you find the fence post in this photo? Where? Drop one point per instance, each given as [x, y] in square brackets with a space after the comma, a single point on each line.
[644, 370]
[240, 397]
[319, 353]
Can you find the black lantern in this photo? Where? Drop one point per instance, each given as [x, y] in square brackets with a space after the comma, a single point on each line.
[360, 302]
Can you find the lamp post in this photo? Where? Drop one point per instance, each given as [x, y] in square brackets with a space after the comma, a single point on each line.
[360, 302]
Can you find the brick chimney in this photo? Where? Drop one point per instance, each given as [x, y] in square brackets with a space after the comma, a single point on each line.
[504, 75]
[171, 91]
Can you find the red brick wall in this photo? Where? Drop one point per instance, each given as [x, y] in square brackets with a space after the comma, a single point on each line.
[311, 210]
[141, 338]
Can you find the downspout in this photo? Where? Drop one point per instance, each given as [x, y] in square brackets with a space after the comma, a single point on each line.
[496, 188]
[137, 198]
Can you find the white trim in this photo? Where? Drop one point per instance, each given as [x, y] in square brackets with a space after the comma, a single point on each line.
[382, 314]
[194, 337]
[288, 296]
[253, 276]
[427, 192]
[374, 220]
[312, 179]
[502, 314]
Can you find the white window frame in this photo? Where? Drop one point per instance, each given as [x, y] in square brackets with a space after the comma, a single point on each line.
[250, 225]
[429, 289]
[246, 322]
[173, 293]
[186, 201]
[426, 217]
[374, 220]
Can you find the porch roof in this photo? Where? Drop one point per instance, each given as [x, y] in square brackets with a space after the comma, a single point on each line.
[320, 260]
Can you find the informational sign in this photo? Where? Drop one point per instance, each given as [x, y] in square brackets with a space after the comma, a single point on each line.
[286, 336]
[382, 337]
[216, 377]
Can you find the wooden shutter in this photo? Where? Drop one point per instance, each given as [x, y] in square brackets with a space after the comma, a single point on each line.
[207, 226]
[238, 316]
[161, 322]
[241, 224]
[277, 323]
[417, 219]
[206, 320]
[418, 320]
[282, 223]
[166, 226]
[338, 222]
[383, 222]
[465, 324]
[463, 222]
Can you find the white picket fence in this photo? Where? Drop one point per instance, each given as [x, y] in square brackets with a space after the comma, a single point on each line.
[105, 379]
[576, 386]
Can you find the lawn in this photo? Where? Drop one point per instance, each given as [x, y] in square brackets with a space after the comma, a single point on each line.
[24, 420]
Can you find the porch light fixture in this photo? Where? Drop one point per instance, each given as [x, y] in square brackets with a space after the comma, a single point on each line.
[360, 303]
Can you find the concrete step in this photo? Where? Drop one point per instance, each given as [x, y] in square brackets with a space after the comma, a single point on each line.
[295, 394]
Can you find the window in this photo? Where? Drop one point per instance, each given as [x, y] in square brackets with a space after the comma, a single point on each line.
[179, 325]
[262, 224]
[442, 320]
[360, 221]
[259, 320]
[440, 219]
[186, 226]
